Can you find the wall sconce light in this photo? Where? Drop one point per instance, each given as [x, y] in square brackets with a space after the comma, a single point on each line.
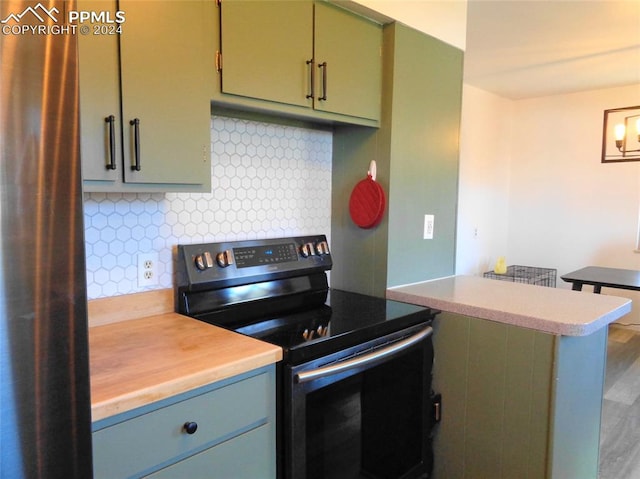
[621, 135]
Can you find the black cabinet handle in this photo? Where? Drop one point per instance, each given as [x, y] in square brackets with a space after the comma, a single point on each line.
[190, 427]
[136, 143]
[312, 78]
[323, 67]
[111, 120]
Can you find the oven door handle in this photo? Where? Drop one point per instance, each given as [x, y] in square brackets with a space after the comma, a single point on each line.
[365, 359]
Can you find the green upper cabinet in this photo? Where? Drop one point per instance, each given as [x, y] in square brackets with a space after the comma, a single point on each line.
[100, 122]
[157, 87]
[310, 60]
[266, 48]
[348, 57]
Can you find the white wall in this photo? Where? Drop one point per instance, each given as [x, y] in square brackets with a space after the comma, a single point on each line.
[442, 19]
[561, 207]
[567, 209]
[484, 183]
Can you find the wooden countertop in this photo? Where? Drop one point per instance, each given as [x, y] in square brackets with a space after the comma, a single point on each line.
[140, 353]
[551, 310]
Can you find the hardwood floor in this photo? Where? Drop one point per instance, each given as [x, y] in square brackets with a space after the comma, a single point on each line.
[620, 433]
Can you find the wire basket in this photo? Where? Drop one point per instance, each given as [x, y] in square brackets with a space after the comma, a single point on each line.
[526, 274]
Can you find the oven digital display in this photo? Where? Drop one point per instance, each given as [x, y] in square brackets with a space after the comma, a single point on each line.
[265, 255]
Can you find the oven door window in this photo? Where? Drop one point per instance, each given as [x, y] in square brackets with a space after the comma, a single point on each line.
[372, 423]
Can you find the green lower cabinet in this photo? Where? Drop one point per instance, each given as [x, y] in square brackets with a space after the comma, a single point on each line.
[517, 403]
[235, 434]
[348, 63]
[243, 457]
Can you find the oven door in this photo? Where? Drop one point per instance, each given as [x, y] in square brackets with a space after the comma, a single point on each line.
[365, 412]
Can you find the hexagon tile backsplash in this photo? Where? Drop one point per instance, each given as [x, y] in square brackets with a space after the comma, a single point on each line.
[268, 180]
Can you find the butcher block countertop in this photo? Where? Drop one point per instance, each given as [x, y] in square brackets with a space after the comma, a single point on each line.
[551, 310]
[141, 351]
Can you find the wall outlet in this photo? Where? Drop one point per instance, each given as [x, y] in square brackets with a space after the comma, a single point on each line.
[147, 269]
[428, 226]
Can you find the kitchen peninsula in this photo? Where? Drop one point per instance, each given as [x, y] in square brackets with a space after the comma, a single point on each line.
[521, 371]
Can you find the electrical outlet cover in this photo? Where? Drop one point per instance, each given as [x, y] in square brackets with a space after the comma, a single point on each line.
[147, 269]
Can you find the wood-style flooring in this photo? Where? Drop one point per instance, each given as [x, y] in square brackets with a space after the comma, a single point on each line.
[620, 433]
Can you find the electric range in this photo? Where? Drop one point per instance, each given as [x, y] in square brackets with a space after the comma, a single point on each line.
[342, 352]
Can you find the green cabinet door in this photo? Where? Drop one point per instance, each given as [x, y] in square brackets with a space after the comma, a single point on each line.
[243, 457]
[518, 403]
[348, 58]
[99, 99]
[266, 46]
[300, 58]
[158, 70]
[167, 69]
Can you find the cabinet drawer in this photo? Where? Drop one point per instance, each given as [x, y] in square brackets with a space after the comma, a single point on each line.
[144, 443]
[248, 456]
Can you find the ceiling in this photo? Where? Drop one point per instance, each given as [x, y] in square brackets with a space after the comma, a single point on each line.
[522, 49]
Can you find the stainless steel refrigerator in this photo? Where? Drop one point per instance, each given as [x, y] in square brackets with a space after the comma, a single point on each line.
[45, 415]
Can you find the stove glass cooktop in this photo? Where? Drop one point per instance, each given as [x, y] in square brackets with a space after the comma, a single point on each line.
[345, 320]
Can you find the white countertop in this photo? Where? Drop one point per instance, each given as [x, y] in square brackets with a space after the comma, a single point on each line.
[551, 310]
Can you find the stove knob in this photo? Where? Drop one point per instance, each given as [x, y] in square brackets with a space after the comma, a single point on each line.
[307, 249]
[224, 258]
[204, 261]
[322, 248]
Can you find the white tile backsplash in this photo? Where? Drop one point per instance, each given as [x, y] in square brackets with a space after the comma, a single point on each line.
[268, 181]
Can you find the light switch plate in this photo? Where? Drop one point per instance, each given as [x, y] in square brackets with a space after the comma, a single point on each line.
[428, 226]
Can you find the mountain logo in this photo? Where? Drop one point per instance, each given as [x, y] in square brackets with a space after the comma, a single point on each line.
[39, 11]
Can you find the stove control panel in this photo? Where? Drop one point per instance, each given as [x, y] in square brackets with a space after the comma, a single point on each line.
[260, 255]
[205, 264]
